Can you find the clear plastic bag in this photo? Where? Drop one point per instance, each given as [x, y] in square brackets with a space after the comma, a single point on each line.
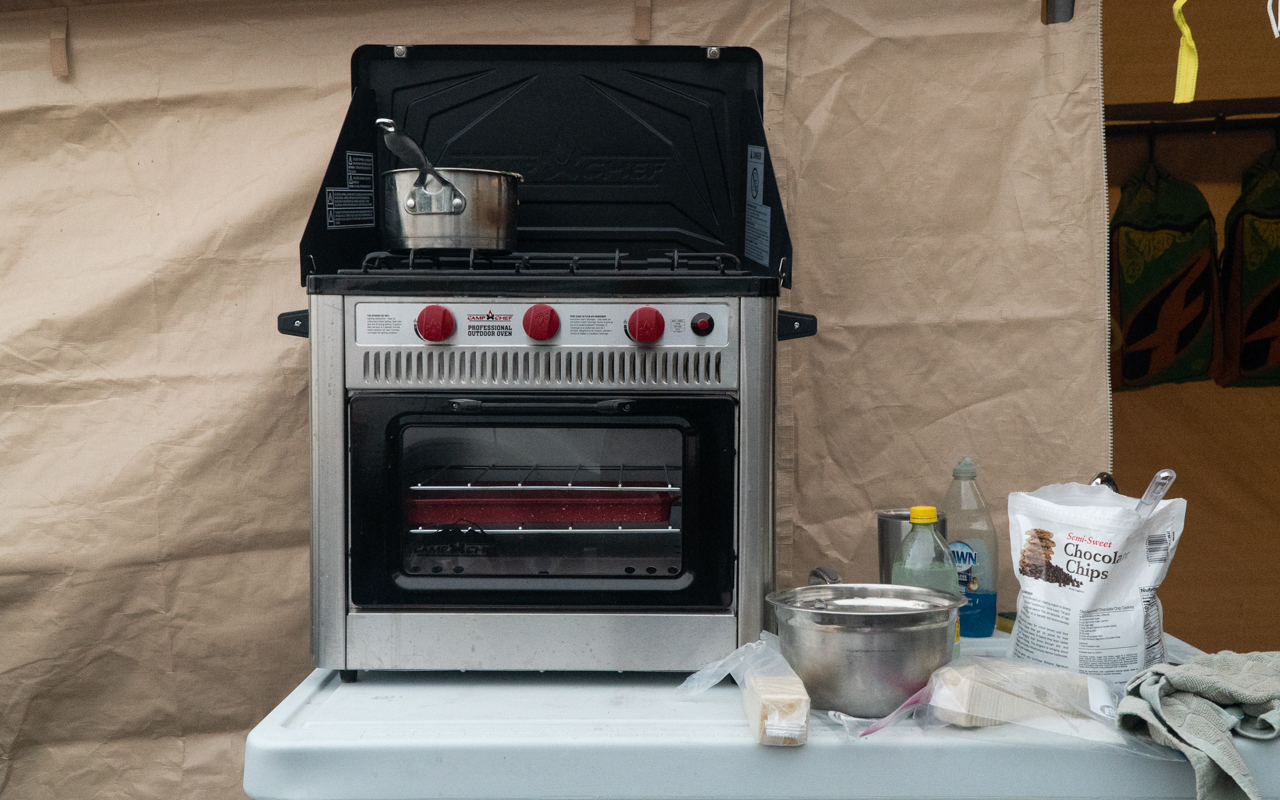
[774, 698]
[979, 692]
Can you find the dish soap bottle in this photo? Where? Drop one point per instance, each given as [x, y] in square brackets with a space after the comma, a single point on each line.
[923, 558]
[973, 548]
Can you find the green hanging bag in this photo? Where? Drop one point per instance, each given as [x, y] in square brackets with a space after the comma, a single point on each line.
[1250, 280]
[1163, 264]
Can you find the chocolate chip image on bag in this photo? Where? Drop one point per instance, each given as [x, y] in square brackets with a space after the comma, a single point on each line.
[1089, 567]
[1037, 560]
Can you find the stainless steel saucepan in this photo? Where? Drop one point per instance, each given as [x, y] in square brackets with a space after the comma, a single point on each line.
[451, 208]
[863, 649]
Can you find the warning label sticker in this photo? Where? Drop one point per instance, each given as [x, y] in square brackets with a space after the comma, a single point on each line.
[348, 208]
[352, 207]
[590, 325]
[759, 216]
[359, 170]
[381, 324]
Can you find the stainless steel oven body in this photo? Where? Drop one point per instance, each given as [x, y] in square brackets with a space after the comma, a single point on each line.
[477, 501]
[560, 456]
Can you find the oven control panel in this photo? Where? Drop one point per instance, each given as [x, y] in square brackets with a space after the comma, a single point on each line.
[524, 324]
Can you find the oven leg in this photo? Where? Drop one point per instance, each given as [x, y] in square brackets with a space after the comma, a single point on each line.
[347, 675]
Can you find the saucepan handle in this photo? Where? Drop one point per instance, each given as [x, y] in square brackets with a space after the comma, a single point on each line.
[408, 151]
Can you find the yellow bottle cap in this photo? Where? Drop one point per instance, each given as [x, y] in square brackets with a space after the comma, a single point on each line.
[923, 514]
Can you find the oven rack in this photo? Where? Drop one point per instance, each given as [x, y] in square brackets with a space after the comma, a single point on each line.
[526, 482]
[469, 261]
[565, 529]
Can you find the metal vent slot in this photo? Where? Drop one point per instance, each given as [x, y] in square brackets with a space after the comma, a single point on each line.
[559, 368]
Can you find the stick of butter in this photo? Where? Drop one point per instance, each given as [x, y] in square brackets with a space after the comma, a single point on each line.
[777, 709]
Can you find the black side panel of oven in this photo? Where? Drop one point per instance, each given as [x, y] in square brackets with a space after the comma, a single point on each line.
[341, 229]
[376, 421]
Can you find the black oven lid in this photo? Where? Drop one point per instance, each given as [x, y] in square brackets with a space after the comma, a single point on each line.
[639, 148]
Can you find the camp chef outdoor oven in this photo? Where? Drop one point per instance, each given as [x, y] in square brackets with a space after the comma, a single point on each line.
[561, 456]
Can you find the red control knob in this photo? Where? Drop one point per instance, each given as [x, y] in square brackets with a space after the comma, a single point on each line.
[435, 323]
[646, 324]
[541, 322]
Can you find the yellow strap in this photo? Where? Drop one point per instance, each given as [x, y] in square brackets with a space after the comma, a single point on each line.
[1188, 59]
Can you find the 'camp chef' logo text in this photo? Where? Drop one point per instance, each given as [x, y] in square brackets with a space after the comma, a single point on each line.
[489, 317]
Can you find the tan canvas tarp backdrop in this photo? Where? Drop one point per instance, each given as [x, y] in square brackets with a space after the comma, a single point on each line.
[942, 168]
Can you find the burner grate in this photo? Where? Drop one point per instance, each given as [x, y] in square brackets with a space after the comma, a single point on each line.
[479, 261]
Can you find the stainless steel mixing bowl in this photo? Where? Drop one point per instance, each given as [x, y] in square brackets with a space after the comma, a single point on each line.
[863, 648]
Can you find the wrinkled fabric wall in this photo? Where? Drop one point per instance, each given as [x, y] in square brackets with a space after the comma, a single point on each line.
[947, 191]
[941, 163]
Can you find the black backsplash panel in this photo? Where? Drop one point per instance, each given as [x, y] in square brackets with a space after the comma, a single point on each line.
[640, 149]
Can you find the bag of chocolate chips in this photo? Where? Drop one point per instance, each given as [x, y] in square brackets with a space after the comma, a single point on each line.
[1089, 565]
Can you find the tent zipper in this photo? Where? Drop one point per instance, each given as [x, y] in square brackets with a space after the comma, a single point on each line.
[1106, 256]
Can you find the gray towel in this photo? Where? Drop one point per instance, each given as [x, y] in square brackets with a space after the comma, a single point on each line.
[1195, 707]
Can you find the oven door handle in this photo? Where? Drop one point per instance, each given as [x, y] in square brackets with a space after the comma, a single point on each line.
[471, 406]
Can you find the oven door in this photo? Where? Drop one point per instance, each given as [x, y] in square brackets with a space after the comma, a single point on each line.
[588, 502]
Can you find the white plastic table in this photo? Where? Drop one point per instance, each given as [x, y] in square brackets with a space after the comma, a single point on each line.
[563, 736]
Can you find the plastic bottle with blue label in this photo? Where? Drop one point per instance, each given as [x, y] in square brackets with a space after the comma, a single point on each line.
[973, 548]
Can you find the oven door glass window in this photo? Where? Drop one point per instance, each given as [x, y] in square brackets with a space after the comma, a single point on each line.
[584, 502]
[542, 501]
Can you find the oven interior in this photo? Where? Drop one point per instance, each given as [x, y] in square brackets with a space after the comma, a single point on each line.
[542, 501]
